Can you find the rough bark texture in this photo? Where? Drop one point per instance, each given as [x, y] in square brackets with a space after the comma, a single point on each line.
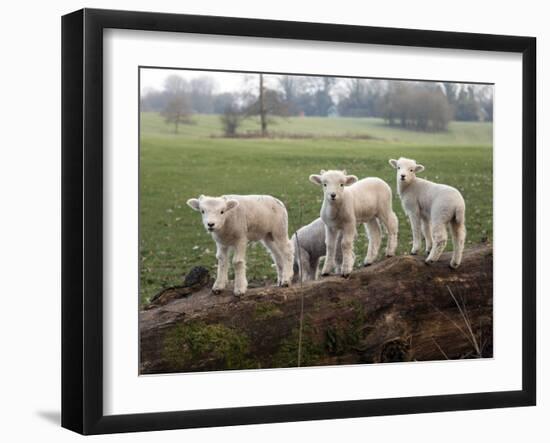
[396, 310]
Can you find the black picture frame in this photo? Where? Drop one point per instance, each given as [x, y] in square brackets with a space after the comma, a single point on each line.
[82, 220]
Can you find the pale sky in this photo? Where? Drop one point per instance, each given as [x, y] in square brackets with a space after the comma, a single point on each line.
[152, 78]
[225, 81]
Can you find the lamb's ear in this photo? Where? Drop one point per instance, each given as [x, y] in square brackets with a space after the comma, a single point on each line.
[314, 178]
[193, 203]
[419, 168]
[351, 179]
[231, 204]
[322, 171]
[344, 172]
[393, 163]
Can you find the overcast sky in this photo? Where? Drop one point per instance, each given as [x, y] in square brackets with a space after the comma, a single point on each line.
[224, 81]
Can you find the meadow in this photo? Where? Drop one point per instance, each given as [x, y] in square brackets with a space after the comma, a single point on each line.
[198, 160]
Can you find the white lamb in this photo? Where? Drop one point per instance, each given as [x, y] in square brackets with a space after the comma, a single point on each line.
[309, 247]
[348, 202]
[431, 207]
[235, 220]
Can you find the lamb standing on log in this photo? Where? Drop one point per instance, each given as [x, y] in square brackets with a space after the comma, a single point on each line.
[347, 202]
[235, 220]
[309, 247]
[431, 207]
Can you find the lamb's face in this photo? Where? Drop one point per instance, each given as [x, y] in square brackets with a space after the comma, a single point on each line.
[333, 183]
[406, 169]
[213, 210]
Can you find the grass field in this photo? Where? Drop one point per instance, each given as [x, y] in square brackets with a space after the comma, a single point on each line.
[197, 160]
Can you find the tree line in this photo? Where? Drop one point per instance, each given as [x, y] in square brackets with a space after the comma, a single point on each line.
[423, 106]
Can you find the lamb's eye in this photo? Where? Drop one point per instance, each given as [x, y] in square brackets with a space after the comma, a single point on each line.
[325, 185]
[399, 167]
[202, 212]
[341, 185]
[221, 212]
[411, 170]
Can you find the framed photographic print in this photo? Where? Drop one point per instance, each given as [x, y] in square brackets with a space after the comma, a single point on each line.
[270, 221]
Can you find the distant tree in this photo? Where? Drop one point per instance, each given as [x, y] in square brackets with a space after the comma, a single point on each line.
[289, 85]
[451, 92]
[177, 111]
[262, 108]
[467, 107]
[178, 108]
[423, 107]
[175, 85]
[231, 119]
[221, 101]
[201, 91]
[362, 98]
[486, 102]
[267, 102]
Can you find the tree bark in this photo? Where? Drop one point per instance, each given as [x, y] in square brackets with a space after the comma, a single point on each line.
[398, 309]
[263, 119]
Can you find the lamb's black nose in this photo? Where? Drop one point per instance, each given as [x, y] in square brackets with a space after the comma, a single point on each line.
[402, 177]
[333, 195]
[210, 225]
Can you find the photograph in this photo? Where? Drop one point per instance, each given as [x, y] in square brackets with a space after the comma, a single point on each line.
[294, 220]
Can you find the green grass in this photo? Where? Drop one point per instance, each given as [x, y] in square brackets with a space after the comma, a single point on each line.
[459, 133]
[176, 167]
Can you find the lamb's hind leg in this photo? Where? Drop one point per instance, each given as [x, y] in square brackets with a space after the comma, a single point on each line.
[439, 241]
[389, 219]
[284, 257]
[305, 269]
[374, 233]
[458, 233]
[276, 256]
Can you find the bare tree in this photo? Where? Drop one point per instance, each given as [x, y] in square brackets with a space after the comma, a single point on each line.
[202, 94]
[177, 111]
[175, 84]
[267, 102]
[231, 119]
[263, 113]
[178, 107]
[423, 107]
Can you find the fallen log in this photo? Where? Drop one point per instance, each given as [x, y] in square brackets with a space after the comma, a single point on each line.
[399, 309]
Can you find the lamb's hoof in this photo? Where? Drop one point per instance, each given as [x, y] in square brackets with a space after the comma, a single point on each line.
[454, 265]
[238, 293]
[284, 284]
[325, 274]
[390, 255]
[216, 291]
[345, 275]
[414, 252]
[429, 261]
[366, 264]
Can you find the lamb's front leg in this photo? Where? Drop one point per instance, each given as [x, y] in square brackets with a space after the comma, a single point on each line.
[331, 235]
[222, 254]
[348, 257]
[416, 232]
[427, 233]
[239, 265]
